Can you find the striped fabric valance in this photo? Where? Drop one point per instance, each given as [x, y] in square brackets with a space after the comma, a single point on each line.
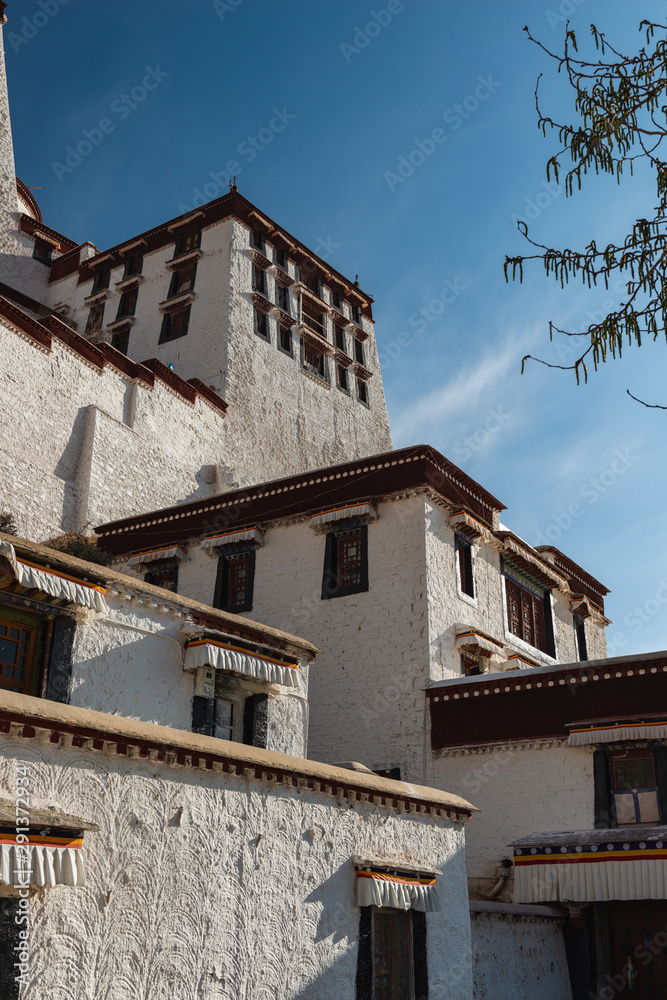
[54, 582]
[583, 873]
[233, 538]
[478, 643]
[154, 555]
[366, 510]
[399, 890]
[234, 659]
[47, 859]
[583, 734]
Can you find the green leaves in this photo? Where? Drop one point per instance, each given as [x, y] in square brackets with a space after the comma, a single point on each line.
[620, 105]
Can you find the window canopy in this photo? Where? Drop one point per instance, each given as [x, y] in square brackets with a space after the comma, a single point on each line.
[55, 583]
[401, 888]
[591, 866]
[234, 659]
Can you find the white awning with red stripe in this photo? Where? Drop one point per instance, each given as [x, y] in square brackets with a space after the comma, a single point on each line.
[53, 582]
[234, 659]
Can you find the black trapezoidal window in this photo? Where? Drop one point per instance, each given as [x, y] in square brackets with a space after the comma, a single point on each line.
[580, 636]
[174, 324]
[234, 582]
[43, 252]
[182, 280]
[464, 559]
[101, 278]
[261, 325]
[121, 340]
[345, 562]
[128, 303]
[133, 265]
[185, 242]
[362, 391]
[95, 318]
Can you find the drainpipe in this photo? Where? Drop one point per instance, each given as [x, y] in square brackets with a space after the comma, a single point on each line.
[504, 872]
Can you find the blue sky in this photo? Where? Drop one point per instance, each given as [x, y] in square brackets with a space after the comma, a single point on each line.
[359, 90]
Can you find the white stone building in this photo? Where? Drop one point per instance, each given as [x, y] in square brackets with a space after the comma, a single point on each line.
[569, 766]
[400, 571]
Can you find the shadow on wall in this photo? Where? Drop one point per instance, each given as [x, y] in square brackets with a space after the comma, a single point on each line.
[69, 469]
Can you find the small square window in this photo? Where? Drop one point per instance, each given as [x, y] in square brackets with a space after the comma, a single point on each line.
[43, 252]
[95, 318]
[345, 563]
[101, 278]
[165, 575]
[470, 665]
[174, 324]
[133, 265]
[314, 361]
[182, 280]
[186, 242]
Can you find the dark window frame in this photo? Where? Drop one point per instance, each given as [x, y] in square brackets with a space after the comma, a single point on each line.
[344, 382]
[186, 242]
[176, 278]
[101, 279]
[603, 777]
[362, 392]
[221, 593]
[43, 252]
[528, 614]
[258, 240]
[129, 270]
[331, 587]
[166, 333]
[121, 340]
[466, 576]
[415, 921]
[320, 371]
[259, 280]
[339, 338]
[359, 355]
[283, 297]
[261, 320]
[285, 340]
[470, 665]
[128, 303]
[580, 637]
[161, 569]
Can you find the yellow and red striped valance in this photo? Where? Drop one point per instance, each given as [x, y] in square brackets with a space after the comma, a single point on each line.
[54, 582]
[234, 659]
[396, 889]
[48, 858]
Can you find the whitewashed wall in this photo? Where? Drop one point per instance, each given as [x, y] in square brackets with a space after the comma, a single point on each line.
[130, 663]
[518, 955]
[520, 789]
[213, 887]
[79, 447]
[449, 607]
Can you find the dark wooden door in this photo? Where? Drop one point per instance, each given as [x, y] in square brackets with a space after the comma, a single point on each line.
[638, 949]
[392, 955]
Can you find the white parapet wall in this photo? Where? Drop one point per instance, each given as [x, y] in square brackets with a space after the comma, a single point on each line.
[218, 871]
